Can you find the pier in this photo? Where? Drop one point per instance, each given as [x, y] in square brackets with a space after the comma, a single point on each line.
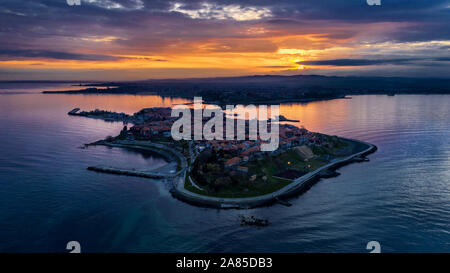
[74, 112]
[145, 174]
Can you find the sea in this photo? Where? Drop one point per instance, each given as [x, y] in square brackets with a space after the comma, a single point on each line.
[401, 198]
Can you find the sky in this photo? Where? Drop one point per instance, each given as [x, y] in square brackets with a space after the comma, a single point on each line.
[116, 40]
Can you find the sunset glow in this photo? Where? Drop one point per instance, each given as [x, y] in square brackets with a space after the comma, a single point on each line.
[130, 40]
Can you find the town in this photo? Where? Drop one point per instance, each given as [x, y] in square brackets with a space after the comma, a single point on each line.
[159, 128]
[235, 168]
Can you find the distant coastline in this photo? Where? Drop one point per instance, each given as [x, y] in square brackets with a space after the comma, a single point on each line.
[268, 89]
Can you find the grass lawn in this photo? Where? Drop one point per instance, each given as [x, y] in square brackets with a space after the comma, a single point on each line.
[241, 190]
[269, 166]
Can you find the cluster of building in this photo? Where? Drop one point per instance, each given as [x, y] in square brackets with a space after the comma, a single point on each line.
[140, 118]
[243, 151]
[147, 131]
[151, 122]
[158, 122]
[101, 114]
[155, 114]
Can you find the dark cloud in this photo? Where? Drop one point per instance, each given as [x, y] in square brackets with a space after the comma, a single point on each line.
[14, 54]
[443, 59]
[357, 62]
[369, 62]
[23, 21]
[52, 29]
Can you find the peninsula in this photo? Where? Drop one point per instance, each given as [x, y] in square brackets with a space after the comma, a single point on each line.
[237, 173]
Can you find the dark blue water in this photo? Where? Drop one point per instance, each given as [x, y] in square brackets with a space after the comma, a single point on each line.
[400, 198]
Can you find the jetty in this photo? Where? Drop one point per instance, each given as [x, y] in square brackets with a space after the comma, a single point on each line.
[145, 174]
[74, 112]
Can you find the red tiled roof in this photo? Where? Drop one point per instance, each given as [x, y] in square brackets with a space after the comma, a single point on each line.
[232, 161]
[242, 168]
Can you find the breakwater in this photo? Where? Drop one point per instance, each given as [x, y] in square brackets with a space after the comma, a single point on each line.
[145, 174]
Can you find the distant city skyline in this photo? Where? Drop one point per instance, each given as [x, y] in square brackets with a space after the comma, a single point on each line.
[118, 40]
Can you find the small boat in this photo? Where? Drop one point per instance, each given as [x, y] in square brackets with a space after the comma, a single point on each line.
[252, 221]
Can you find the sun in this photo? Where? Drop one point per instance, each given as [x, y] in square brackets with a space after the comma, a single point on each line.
[301, 67]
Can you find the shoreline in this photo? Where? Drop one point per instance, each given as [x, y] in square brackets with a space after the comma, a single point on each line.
[177, 179]
[297, 187]
[181, 175]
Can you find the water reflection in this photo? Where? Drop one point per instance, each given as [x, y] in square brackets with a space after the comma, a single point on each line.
[400, 198]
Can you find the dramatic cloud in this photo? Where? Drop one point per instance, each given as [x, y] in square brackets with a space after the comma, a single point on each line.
[224, 37]
[121, 5]
[223, 12]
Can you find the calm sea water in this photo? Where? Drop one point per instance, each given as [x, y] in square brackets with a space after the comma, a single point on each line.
[400, 198]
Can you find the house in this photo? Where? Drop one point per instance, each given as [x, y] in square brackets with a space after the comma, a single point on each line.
[242, 169]
[232, 162]
[201, 148]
